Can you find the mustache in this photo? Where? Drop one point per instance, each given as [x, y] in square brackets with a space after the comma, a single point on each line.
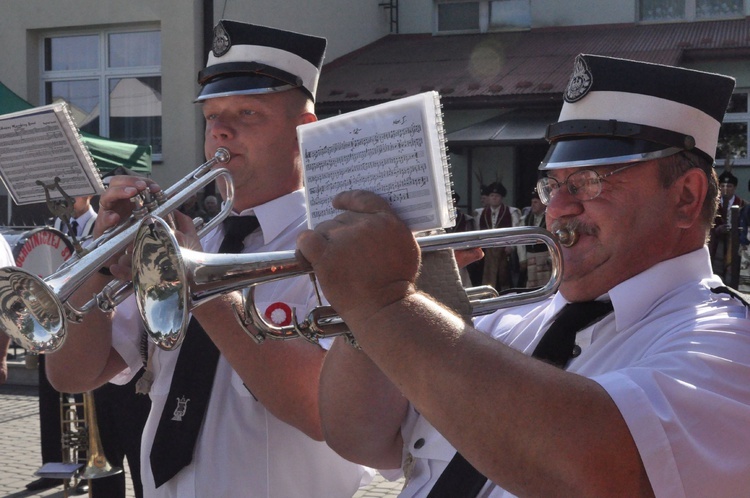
[569, 229]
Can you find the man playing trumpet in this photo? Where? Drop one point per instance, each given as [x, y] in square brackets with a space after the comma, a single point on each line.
[652, 397]
[242, 417]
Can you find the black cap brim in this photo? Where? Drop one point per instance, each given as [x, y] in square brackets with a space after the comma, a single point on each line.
[243, 84]
[602, 151]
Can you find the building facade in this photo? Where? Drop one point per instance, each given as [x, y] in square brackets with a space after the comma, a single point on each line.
[128, 69]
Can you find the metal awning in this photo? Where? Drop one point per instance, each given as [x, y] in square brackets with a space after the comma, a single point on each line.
[516, 127]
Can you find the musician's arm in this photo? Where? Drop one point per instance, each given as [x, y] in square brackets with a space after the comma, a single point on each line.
[87, 359]
[361, 409]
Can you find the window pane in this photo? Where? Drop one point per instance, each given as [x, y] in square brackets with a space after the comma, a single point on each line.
[83, 98]
[135, 49]
[707, 9]
[135, 111]
[657, 10]
[738, 103]
[458, 16]
[510, 13]
[71, 52]
[732, 141]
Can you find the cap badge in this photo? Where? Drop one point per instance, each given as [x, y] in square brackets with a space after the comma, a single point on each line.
[222, 43]
[581, 81]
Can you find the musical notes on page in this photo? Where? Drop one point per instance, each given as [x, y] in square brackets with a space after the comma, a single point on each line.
[41, 144]
[395, 150]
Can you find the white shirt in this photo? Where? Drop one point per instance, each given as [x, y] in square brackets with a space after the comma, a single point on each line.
[85, 223]
[242, 450]
[6, 254]
[674, 357]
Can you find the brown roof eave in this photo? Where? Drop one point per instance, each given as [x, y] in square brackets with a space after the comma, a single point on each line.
[724, 53]
[503, 101]
[452, 103]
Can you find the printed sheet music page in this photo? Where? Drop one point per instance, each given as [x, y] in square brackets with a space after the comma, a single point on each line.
[395, 149]
[39, 145]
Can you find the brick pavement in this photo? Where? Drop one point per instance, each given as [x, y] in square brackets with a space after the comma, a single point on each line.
[20, 455]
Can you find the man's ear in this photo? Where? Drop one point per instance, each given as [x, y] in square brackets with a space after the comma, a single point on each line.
[690, 192]
[307, 117]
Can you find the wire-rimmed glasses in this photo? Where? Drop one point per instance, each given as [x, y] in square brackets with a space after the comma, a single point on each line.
[584, 185]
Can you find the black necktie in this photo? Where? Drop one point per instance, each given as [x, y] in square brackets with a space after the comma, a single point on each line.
[460, 479]
[73, 229]
[236, 228]
[558, 345]
[181, 420]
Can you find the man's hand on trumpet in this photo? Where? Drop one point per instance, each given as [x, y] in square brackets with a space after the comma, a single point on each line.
[381, 255]
[117, 204]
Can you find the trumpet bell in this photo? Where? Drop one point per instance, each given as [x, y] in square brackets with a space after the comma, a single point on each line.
[32, 314]
[169, 281]
[160, 283]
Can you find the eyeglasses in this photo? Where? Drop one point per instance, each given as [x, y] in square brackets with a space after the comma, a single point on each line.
[584, 185]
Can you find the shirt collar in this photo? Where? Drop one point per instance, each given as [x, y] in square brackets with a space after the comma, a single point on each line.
[276, 215]
[84, 217]
[635, 297]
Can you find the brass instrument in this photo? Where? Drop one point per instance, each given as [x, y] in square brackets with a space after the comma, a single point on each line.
[36, 310]
[79, 433]
[170, 281]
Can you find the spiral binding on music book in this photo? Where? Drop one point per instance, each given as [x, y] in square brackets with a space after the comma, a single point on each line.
[445, 158]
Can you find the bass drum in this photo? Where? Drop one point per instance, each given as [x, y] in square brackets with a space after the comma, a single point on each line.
[39, 250]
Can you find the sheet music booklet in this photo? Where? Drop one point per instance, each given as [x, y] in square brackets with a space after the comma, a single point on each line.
[396, 149]
[41, 144]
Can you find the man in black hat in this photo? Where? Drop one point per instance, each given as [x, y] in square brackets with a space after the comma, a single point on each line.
[496, 270]
[722, 252]
[651, 397]
[229, 417]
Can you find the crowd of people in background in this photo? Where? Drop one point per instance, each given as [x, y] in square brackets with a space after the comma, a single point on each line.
[728, 242]
[506, 268]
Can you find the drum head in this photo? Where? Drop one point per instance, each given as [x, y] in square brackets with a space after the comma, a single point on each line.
[40, 251]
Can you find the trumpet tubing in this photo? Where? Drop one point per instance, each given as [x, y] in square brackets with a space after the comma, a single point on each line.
[80, 436]
[36, 311]
[171, 281]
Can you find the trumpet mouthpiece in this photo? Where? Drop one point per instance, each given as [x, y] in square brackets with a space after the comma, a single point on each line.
[567, 236]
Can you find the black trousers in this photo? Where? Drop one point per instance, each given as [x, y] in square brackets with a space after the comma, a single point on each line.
[121, 415]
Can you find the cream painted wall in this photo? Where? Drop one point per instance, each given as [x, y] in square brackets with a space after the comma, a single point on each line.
[23, 21]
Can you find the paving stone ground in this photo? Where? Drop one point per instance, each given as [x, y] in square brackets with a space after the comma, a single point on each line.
[20, 456]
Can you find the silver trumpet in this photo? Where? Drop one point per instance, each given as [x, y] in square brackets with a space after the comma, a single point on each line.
[36, 311]
[171, 281]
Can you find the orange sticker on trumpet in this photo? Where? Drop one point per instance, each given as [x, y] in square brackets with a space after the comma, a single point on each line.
[279, 314]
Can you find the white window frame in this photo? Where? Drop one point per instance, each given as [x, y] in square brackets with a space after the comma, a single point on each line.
[483, 22]
[740, 117]
[102, 73]
[690, 14]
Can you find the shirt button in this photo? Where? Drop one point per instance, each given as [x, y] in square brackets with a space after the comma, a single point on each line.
[576, 351]
[418, 443]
